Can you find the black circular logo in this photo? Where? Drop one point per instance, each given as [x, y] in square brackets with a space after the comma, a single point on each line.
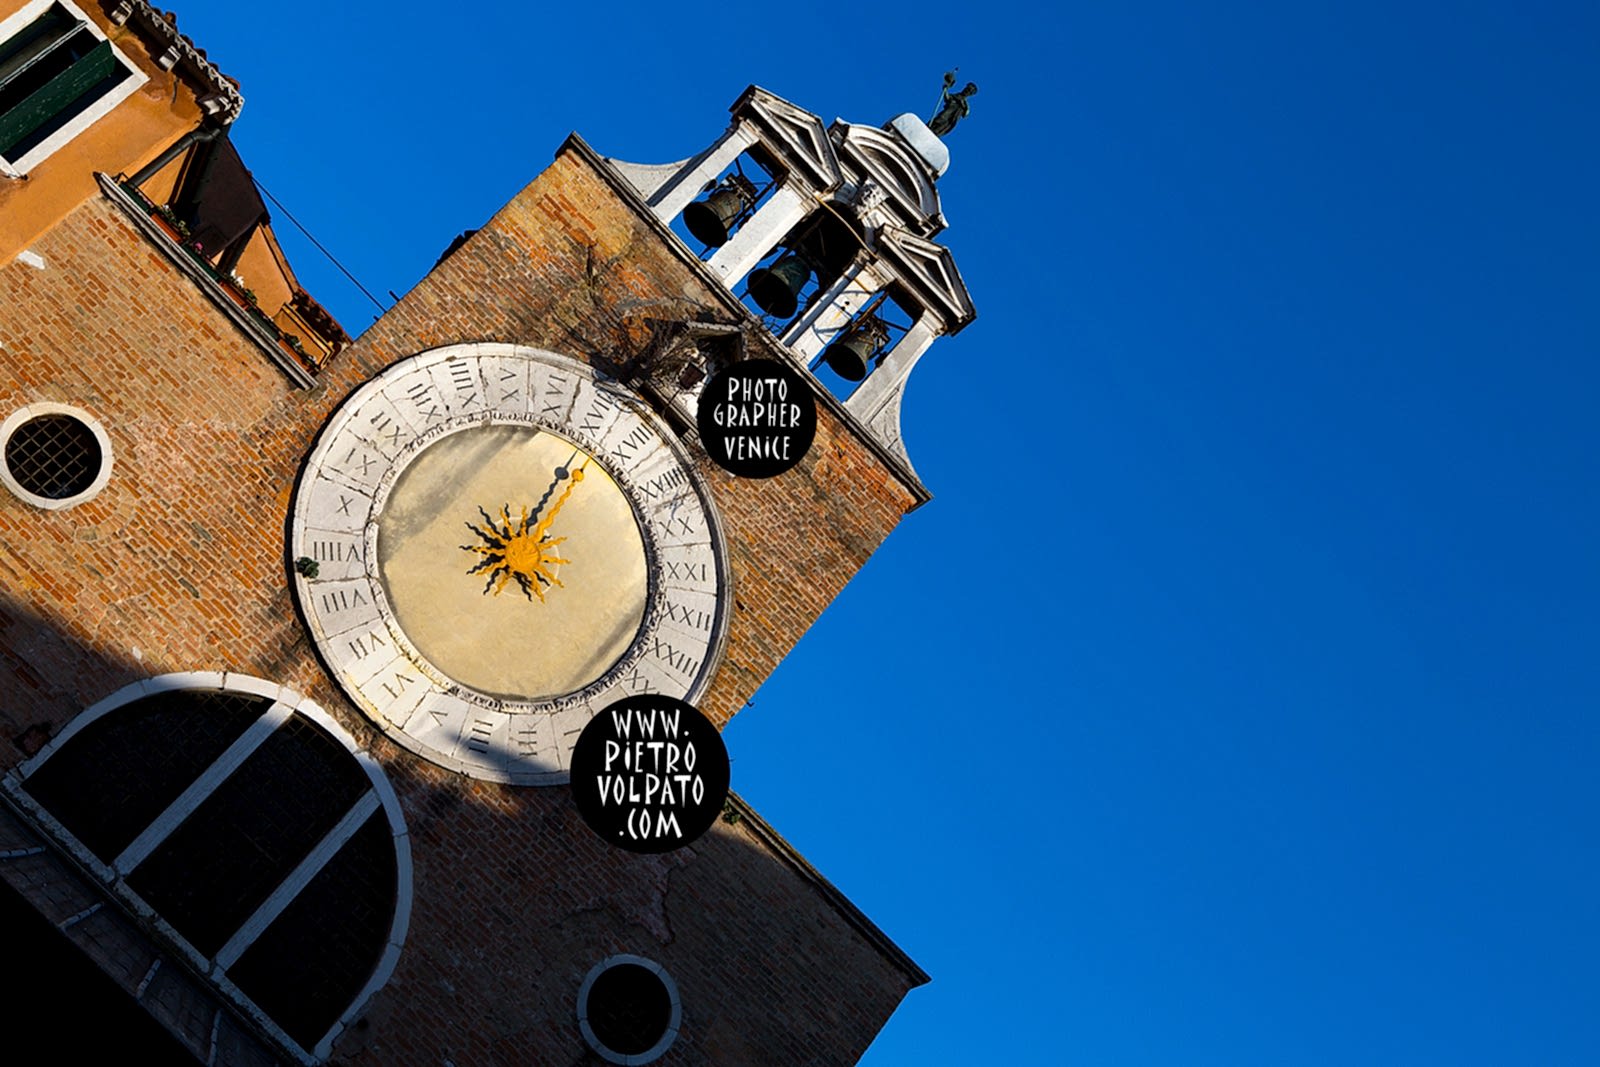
[650, 773]
[757, 418]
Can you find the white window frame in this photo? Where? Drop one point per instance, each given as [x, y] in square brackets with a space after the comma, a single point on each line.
[96, 111]
[27, 414]
[674, 1023]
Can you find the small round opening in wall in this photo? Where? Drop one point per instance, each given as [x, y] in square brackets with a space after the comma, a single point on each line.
[628, 1010]
[55, 456]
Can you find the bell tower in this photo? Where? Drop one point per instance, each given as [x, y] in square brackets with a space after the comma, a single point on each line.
[826, 235]
[331, 632]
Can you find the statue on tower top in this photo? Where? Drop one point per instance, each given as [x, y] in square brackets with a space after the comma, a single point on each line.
[953, 107]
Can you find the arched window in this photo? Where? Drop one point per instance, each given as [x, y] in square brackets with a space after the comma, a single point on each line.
[243, 822]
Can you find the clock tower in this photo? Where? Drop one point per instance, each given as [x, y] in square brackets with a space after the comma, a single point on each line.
[299, 637]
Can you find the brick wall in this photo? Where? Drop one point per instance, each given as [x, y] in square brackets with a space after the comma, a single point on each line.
[179, 565]
[557, 268]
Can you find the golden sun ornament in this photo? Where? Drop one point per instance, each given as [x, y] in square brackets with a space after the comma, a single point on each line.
[520, 551]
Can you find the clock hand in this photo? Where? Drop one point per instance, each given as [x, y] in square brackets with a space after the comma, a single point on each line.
[561, 476]
[544, 523]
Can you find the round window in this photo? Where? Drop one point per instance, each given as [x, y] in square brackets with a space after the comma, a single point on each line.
[55, 456]
[628, 1010]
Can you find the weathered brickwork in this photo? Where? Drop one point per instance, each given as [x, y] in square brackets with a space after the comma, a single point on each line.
[179, 564]
[559, 267]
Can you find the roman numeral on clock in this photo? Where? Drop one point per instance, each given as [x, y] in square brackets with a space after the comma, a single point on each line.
[397, 685]
[599, 408]
[421, 397]
[684, 572]
[386, 428]
[335, 551]
[556, 386]
[679, 661]
[662, 482]
[509, 390]
[624, 449]
[342, 600]
[691, 617]
[349, 462]
[527, 742]
[465, 381]
[367, 644]
[478, 735]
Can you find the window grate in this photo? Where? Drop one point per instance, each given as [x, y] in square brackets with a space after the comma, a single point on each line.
[308, 966]
[54, 456]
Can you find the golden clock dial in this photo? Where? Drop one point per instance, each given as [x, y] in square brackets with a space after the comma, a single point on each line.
[491, 544]
[513, 562]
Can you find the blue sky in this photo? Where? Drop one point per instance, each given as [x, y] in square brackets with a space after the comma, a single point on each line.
[1234, 701]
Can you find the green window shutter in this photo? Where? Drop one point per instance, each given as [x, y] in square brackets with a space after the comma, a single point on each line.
[60, 93]
[35, 39]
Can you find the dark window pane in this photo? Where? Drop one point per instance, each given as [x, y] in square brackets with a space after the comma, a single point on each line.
[122, 770]
[222, 862]
[308, 966]
[629, 1009]
[54, 456]
[34, 40]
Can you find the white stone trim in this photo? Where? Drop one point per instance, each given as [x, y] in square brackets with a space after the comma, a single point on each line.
[657, 1050]
[833, 312]
[679, 191]
[889, 379]
[876, 402]
[890, 161]
[9, 28]
[28, 413]
[761, 233]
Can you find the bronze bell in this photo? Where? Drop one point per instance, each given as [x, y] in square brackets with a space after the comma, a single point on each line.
[851, 355]
[711, 220]
[776, 289]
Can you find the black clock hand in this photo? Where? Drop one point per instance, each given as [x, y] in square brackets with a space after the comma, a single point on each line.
[562, 473]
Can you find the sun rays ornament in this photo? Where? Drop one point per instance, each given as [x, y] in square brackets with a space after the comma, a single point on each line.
[619, 562]
[520, 552]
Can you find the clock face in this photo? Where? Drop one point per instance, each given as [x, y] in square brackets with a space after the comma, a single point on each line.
[503, 545]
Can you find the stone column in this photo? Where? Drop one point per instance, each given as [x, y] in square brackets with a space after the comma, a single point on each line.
[679, 191]
[829, 315]
[889, 379]
[761, 233]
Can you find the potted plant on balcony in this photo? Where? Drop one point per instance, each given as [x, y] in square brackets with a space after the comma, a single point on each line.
[169, 223]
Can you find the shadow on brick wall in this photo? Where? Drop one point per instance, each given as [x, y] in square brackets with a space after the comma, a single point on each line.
[515, 900]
